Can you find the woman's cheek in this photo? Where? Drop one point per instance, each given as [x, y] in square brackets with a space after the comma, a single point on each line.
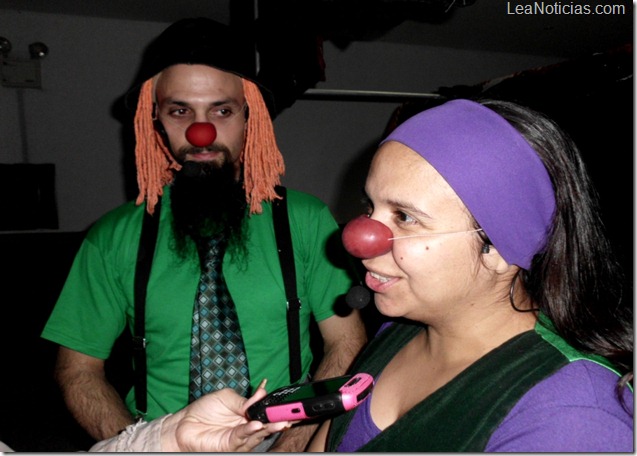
[409, 252]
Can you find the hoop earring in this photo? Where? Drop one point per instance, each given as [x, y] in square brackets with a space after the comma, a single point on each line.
[511, 293]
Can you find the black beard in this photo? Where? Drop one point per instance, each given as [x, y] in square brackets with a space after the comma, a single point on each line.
[207, 201]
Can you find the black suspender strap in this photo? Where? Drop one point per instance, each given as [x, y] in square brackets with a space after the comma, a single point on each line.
[145, 253]
[286, 258]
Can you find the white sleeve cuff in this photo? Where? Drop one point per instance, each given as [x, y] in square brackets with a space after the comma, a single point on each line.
[139, 437]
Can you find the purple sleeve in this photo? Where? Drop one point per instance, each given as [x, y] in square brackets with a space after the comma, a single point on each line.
[574, 410]
[383, 327]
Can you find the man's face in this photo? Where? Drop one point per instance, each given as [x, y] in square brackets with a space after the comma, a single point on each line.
[198, 93]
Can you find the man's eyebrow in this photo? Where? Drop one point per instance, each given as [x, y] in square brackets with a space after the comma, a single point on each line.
[173, 101]
[179, 102]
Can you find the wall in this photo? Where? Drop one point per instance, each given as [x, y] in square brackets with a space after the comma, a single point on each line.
[326, 144]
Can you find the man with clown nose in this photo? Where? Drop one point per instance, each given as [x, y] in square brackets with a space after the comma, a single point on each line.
[207, 169]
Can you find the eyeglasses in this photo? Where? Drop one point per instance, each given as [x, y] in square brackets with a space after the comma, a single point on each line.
[436, 234]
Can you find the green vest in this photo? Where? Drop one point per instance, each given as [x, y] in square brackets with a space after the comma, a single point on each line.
[444, 421]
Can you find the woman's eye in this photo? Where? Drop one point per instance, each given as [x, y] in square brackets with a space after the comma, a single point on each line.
[402, 217]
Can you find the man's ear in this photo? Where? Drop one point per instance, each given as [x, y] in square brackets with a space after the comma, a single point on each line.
[493, 260]
[159, 127]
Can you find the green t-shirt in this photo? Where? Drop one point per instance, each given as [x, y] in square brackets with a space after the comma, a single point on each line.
[97, 299]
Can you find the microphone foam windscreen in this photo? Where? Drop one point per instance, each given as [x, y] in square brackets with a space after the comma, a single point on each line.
[357, 297]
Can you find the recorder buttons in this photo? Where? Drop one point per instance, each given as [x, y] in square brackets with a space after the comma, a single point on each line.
[323, 406]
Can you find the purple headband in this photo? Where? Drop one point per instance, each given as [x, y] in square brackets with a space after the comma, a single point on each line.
[492, 168]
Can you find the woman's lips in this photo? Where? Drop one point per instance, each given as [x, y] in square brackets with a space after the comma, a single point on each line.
[377, 282]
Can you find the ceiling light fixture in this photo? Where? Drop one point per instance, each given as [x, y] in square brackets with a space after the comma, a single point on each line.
[21, 73]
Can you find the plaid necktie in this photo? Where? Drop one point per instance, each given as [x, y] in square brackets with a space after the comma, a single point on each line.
[217, 355]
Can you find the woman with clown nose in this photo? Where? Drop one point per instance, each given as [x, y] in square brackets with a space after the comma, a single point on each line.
[506, 328]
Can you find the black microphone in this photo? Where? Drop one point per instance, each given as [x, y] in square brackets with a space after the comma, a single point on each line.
[357, 297]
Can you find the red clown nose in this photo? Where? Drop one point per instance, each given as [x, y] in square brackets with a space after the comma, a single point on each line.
[364, 237]
[201, 134]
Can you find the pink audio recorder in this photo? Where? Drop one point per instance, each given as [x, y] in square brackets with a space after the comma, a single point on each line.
[313, 400]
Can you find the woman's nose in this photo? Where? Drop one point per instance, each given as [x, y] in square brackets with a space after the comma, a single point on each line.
[364, 237]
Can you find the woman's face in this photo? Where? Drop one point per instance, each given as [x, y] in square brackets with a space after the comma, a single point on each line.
[425, 277]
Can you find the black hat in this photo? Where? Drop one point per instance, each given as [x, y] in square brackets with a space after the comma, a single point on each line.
[200, 41]
[204, 41]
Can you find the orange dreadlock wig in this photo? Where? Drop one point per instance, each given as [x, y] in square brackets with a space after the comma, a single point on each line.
[262, 161]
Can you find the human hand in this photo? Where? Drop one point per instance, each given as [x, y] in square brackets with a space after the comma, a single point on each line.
[216, 423]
